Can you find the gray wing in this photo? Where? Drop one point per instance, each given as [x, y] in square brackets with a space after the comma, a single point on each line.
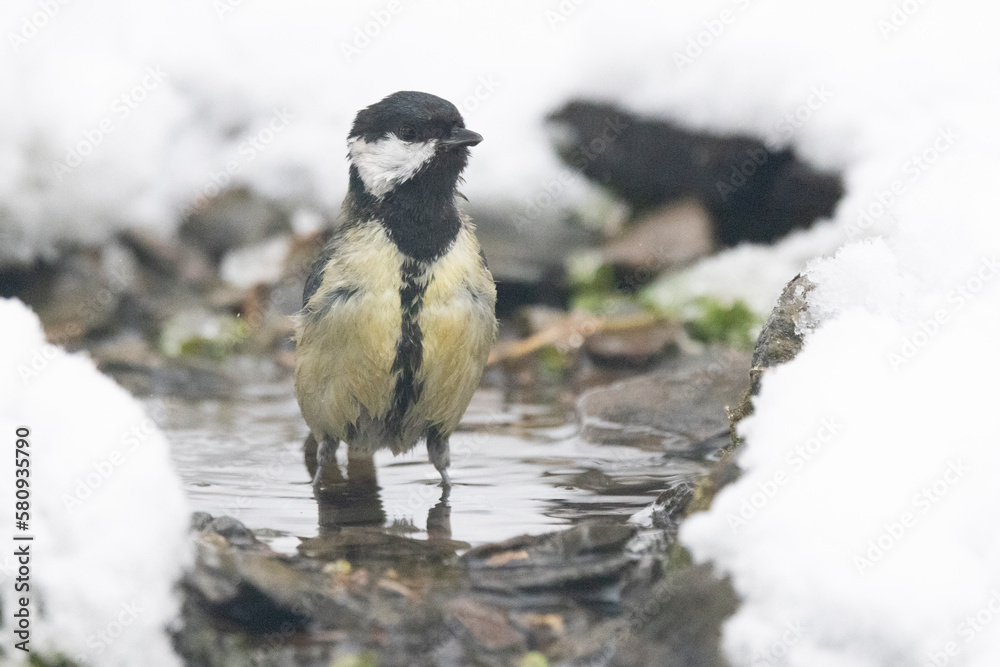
[316, 273]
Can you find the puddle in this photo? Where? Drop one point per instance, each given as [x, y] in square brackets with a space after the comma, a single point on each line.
[516, 469]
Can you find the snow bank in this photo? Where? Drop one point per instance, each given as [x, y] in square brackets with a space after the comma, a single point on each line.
[107, 511]
[117, 122]
[861, 532]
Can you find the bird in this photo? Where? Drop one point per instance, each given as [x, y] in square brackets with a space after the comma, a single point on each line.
[398, 312]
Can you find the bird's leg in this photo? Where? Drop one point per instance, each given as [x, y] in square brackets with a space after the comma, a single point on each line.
[326, 458]
[439, 453]
[360, 468]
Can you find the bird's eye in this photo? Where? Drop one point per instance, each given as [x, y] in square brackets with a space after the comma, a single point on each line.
[407, 133]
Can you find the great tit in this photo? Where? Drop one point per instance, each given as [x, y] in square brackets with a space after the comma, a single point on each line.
[398, 311]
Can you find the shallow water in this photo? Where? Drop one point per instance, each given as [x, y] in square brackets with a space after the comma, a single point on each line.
[516, 468]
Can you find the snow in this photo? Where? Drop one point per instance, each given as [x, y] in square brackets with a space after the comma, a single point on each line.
[107, 511]
[859, 531]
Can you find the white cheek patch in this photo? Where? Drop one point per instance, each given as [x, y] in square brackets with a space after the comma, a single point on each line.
[387, 162]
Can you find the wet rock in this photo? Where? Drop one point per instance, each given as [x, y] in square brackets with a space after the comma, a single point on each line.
[589, 557]
[684, 403]
[239, 579]
[486, 625]
[670, 506]
[186, 377]
[778, 343]
[234, 531]
[754, 193]
[168, 259]
[79, 294]
[632, 347]
[678, 622]
[781, 339]
[199, 520]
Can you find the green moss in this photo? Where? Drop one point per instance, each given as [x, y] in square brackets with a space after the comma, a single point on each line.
[714, 322]
[367, 659]
[57, 660]
[554, 362]
[212, 337]
[534, 659]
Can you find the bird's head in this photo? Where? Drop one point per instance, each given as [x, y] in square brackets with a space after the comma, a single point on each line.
[409, 136]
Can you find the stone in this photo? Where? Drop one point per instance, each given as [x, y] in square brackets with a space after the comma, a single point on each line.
[780, 340]
[683, 403]
[236, 217]
[632, 347]
[667, 236]
[487, 625]
[588, 552]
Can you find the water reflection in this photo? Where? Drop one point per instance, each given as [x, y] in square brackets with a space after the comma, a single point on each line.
[353, 522]
[516, 469]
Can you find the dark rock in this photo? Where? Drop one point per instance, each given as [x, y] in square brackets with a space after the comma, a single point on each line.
[188, 377]
[679, 622]
[233, 530]
[79, 294]
[487, 625]
[780, 340]
[236, 217]
[200, 520]
[778, 343]
[583, 556]
[669, 507]
[239, 580]
[684, 404]
[754, 193]
[167, 259]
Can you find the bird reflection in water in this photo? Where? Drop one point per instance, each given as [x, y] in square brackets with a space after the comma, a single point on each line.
[352, 519]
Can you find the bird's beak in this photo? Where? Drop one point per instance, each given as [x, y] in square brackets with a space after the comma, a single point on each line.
[461, 137]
